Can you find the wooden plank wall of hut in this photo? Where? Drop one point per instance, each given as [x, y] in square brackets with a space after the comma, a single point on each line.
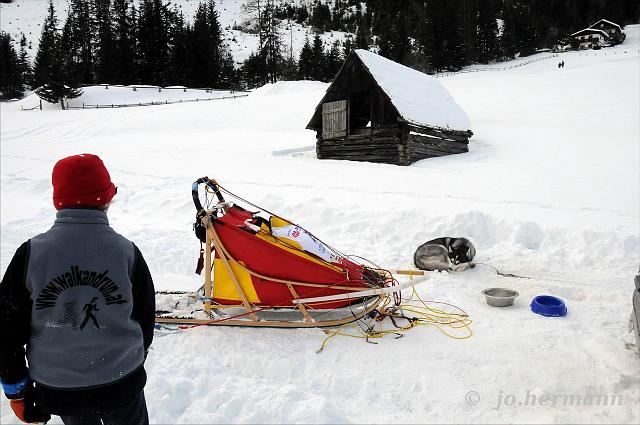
[379, 145]
[424, 142]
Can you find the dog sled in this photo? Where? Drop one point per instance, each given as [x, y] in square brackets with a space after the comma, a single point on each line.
[265, 271]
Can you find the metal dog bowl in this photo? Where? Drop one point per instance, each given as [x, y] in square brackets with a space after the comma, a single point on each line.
[500, 297]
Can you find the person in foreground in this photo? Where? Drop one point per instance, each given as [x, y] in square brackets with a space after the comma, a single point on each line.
[81, 298]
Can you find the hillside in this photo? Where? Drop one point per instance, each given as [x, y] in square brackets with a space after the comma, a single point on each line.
[27, 16]
[549, 190]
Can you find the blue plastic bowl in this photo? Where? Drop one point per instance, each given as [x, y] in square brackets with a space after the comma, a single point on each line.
[547, 305]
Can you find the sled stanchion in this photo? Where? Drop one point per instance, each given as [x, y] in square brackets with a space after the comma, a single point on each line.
[301, 306]
[207, 273]
[217, 245]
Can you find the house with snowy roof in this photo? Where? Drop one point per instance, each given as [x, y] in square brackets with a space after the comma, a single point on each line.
[378, 110]
[607, 26]
[601, 33]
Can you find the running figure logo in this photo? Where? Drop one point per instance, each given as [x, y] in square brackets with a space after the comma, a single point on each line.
[89, 309]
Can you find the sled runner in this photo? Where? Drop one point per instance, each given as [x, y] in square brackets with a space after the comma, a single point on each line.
[263, 270]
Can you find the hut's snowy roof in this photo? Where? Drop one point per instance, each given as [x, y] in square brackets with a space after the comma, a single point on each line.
[419, 98]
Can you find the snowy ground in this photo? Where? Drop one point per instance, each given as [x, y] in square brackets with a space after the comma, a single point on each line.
[549, 190]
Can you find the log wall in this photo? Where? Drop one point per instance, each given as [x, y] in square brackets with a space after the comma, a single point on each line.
[402, 145]
[382, 145]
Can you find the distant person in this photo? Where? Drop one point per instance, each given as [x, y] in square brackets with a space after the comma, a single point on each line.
[81, 298]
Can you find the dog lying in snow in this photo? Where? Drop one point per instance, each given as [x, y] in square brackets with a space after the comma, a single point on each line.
[450, 254]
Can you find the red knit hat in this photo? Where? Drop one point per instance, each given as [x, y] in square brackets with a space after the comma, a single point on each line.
[81, 181]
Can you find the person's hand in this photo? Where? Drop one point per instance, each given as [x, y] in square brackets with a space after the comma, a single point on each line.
[21, 399]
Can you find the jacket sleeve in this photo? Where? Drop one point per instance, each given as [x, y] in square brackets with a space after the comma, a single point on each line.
[144, 297]
[15, 317]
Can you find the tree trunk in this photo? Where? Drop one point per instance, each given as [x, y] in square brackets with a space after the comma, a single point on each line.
[62, 104]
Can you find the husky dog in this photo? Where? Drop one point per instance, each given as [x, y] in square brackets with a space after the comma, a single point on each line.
[451, 254]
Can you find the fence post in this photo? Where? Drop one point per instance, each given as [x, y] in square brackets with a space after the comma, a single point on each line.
[41, 104]
[159, 89]
[166, 102]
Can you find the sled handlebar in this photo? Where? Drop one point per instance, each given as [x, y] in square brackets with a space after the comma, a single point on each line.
[212, 184]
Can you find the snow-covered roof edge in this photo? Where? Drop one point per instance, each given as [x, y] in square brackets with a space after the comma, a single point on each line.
[608, 22]
[591, 29]
[427, 102]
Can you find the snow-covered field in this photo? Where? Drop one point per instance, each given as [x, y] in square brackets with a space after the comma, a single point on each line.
[550, 189]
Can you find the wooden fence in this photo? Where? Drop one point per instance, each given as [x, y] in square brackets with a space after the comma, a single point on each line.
[152, 103]
[495, 68]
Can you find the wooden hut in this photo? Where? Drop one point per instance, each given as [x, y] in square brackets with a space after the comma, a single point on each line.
[377, 110]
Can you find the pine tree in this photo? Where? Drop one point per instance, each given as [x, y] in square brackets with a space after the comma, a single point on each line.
[178, 56]
[507, 43]
[527, 40]
[104, 47]
[48, 74]
[363, 34]
[444, 35]
[306, 61]
[347, 47]
[228, 78]
[153, 24]
[24, 66]
[11, 82]
[253, 71]
[124, 42]
[271, 49]
[321, 17]
[317, 51]
[76, 46]
[201, 57]
[487, 31]
[217, 43]
[333, 60]
[289, 70]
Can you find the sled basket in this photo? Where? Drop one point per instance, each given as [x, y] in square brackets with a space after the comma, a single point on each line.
[263, 270]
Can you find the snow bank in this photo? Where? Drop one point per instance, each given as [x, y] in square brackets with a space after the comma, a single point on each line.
[107, 95]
